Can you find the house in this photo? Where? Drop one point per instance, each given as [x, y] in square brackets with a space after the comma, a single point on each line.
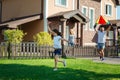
[79, 15]
[64, 16]
[33, 17]
[93, 9]
[22, 14]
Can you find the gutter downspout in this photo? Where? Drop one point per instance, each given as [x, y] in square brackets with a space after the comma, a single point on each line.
[45, 14]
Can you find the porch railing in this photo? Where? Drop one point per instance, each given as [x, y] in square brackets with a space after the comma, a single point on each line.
[32, 50]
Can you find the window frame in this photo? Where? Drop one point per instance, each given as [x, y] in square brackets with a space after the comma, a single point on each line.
[90, 18]
[85, 7]
[107, 11]
[60, 4]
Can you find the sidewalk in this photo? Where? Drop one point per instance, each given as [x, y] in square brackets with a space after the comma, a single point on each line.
[107, 60]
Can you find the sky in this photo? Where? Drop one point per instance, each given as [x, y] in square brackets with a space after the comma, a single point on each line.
[118, 12]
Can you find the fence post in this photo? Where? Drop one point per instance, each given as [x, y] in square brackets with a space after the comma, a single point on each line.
[63, 54]
[9, 50]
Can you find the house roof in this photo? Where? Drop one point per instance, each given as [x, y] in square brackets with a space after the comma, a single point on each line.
[76, 14]
[14, 24]
[115, 22]
[116, 1]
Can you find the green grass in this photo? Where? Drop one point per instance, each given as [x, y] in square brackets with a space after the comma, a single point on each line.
[42, 69]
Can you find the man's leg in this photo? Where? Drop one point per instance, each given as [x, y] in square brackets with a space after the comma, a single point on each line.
[102, 54]
[99, 52]
[102, 51]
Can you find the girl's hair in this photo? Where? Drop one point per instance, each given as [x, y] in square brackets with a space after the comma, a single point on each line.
[57, 32]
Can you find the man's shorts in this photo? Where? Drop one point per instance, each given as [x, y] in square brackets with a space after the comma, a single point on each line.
[101, 46]
[57, 51]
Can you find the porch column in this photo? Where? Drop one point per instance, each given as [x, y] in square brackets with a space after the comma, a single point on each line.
[63, 30]
[81, 41]
[63, 26]
[77, 39]
[115, 36]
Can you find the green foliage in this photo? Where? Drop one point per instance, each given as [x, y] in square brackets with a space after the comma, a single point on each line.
[43, 38]
[14, 36]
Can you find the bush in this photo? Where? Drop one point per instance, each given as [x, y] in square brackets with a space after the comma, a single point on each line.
[43, 38]
[14, 36]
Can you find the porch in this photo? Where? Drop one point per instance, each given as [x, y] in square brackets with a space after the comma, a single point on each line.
[64, 21]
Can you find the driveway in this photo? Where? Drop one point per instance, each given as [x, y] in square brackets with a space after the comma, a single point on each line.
[107, 60]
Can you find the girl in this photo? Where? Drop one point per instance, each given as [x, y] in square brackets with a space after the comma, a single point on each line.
[57, 46]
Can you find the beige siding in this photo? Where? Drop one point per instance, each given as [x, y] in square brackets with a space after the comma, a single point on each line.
[89, 35]
[111, 2]
[31, 29]
[53, 8]
[20, 8]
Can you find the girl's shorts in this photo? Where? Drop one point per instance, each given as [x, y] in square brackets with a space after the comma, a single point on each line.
[57, 51]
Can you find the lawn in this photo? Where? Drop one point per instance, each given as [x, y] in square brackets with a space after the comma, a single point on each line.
[42, 69]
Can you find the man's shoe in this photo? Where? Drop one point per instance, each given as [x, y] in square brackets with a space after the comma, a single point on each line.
[102, 59]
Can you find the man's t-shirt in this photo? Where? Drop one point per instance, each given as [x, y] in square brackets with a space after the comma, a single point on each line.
[101, 37]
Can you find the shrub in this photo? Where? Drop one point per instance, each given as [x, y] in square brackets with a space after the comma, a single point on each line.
[43, 38]
[14, 36]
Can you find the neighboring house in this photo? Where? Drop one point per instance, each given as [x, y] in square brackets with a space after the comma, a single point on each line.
[93, 9]
[32, 16]
[84, 30]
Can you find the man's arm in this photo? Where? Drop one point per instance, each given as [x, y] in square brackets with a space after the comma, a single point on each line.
[97, 27]
[108, 28]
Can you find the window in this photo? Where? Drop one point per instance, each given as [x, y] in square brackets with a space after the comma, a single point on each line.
[61, 2]
[85, 11]
[108, 9]
[91, 17]
[110, 36]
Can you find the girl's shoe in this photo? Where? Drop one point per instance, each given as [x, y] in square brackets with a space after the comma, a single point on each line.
[64, 63]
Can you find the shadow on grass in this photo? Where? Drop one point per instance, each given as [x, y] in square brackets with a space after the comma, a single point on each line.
[27, 72]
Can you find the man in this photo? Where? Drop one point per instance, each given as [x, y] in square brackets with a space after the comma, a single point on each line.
[101, 39]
